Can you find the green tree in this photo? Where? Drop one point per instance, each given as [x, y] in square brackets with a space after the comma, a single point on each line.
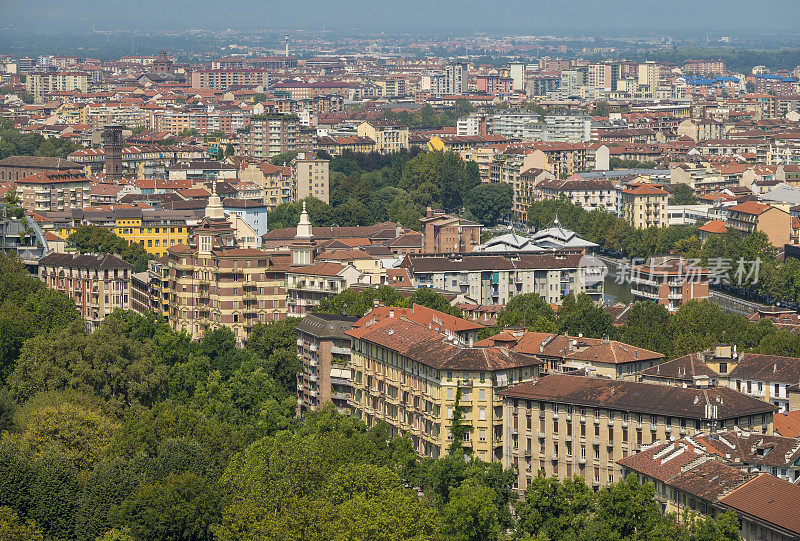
[12, 528]
[630, 509]
[553, 509]
[528, 310]
[284, 158]
[70, 423]
[181, 507]
[579, 315]
[426, 296]
[683, 195]
[488, 203]
[356, 303]
[96, 239]
[647, 325]
[471, 515]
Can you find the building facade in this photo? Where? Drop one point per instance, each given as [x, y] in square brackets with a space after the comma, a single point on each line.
[324, 349]
[413, 378]
[568, 425]
[99, 284]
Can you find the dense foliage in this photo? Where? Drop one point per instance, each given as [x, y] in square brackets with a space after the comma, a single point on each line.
[426, 117]
[15, 143]
[371, 188]
[100, 240]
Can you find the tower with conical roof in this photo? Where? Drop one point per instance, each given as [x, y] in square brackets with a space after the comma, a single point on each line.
[214, 206]
[303, 245]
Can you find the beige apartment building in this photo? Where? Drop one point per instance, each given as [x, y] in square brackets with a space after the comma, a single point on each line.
[566, 425]
[561, 353]
[588, 194]
[413, 378]
[47, 191]
[701, 130]
[753, 216]
[275, 180]
[644, 206]
[272, 134]
[388, 136]
[99, 284]
[526, 187]
[310, 177]
[213, 282]
[44, 83]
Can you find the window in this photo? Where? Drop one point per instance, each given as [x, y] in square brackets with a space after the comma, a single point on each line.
[555, 427]
[482, 394]
[450, 393]
[482, 415]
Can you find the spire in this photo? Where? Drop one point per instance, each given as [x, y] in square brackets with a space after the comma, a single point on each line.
[214, 206]
[304, 226]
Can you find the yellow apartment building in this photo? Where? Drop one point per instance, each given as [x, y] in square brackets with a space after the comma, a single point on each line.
[409, 376]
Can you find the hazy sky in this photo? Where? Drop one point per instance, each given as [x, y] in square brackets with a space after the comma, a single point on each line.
[517, 16]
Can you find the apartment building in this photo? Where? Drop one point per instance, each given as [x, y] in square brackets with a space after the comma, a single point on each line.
[753, 216]
[699, 130]
[644, 206]
[604, 76]
[214, 282]
[324, 349]
[310, 177]
[41, 84]
[308, 284]
[456, 79]
[487, 278]
[99, 284]
[770, 378]
[413, 378]
[275, 180]
[568, 425]
[272, 134]
[446, 234]
[388, 136]
[48, 191]
[527, 186]
[588, 194]
[223, 79]
[671, 283]
[309, 281]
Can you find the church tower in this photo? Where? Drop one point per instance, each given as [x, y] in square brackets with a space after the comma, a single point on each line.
[303, 245]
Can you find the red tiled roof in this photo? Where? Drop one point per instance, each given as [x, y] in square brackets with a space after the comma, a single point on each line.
[750, 207]
[787, 424]
[768, 499]
[714, 226]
